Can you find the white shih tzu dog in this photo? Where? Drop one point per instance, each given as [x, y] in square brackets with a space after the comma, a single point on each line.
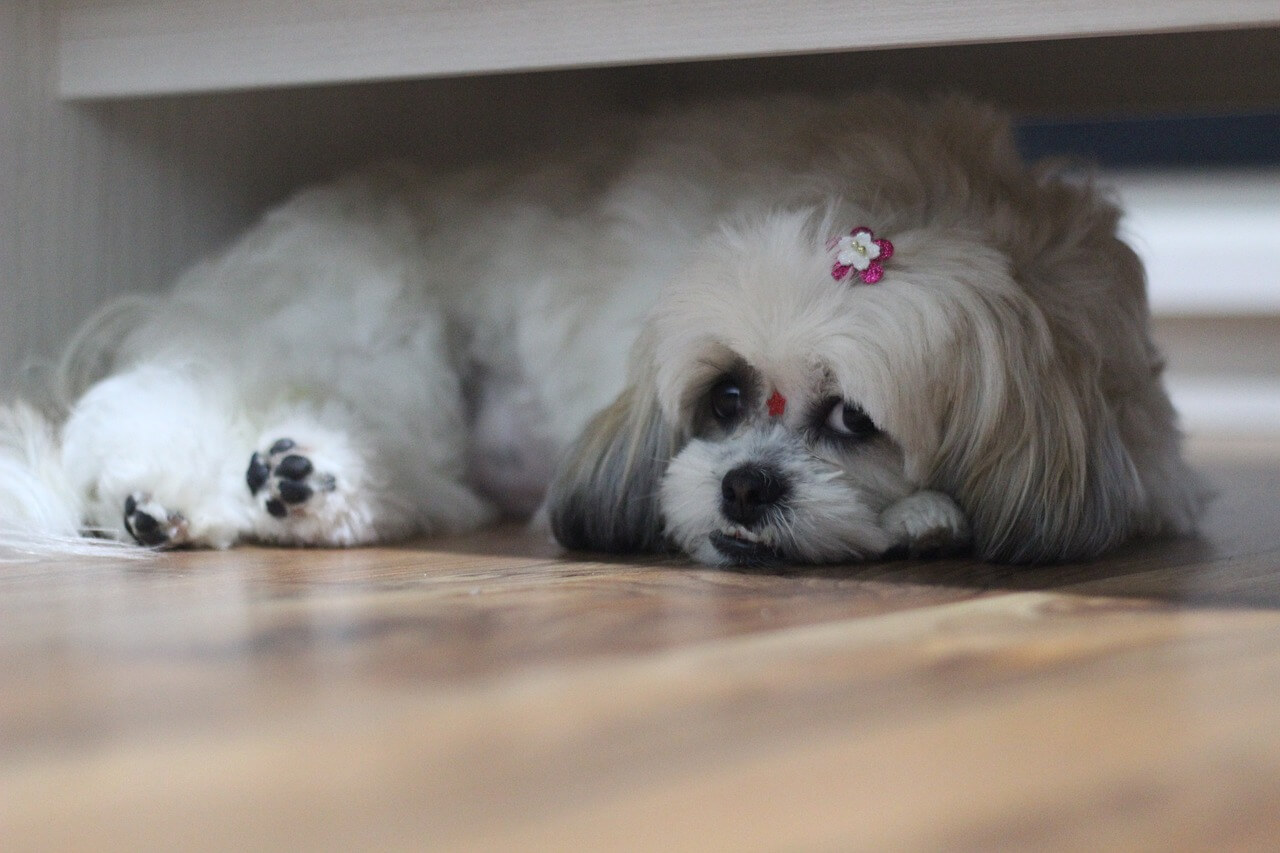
[853, 328]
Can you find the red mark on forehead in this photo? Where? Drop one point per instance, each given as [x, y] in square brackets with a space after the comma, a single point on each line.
[777, 405]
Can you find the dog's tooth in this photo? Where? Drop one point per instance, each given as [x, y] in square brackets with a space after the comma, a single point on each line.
[741, 534]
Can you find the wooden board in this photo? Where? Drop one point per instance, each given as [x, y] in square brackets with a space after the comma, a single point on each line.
[134, 47]
[489, 692]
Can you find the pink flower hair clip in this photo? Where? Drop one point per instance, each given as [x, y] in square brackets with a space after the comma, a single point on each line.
[859, 251]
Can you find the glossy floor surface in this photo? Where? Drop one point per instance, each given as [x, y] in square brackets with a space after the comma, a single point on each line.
[492, 693]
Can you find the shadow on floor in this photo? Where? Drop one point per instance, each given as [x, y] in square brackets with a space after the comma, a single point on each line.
[1235, 561]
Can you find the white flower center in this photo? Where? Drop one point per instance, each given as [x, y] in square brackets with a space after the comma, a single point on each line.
[857, 251]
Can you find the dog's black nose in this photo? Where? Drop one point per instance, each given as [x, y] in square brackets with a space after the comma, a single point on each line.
[748, 491]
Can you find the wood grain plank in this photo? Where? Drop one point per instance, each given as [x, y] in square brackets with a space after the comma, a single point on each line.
[1151, 747]
[486, 692]
[411, 619]
[974, 714]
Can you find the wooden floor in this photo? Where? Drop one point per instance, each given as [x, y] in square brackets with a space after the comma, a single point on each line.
[488, 693]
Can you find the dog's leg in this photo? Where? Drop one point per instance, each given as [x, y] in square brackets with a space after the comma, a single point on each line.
[166, 457]
[926, 524]
[349, 471]
[151, 450]
[312, 483]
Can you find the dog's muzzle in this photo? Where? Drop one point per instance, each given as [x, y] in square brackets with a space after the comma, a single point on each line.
[748, 493]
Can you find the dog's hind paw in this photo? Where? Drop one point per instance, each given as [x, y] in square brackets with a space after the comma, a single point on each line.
[151, 524]
[285, 480]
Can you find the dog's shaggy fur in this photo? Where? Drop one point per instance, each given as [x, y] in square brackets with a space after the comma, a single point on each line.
[402, 353]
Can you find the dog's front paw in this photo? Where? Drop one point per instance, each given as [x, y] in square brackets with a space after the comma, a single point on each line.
[926, 524]
[151, 524]
[284, 479]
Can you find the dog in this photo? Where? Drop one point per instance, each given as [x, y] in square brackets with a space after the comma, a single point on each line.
[763, 331]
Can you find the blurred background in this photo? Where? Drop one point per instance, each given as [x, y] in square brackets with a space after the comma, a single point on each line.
[1201, 195]
[131, 144]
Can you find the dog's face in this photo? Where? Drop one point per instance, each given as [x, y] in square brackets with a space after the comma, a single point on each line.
[763, 362]
[754, 489]
[775, 412]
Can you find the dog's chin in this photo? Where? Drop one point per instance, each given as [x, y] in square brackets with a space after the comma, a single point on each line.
[737, 547]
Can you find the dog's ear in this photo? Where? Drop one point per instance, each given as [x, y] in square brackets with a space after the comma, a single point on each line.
[605, 493]
[1031, 447]
[1045, 478]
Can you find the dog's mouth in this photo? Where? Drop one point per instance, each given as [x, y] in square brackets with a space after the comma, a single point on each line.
[744, 548]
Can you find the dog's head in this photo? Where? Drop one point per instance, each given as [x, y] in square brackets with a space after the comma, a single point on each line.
[775, 408]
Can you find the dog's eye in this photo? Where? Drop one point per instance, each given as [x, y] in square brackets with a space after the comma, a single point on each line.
[849, 421]
[726, 400]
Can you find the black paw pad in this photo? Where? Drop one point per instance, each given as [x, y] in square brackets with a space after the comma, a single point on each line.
[293, 492]
[283, 445]
[286, 478]
[150, 524]
[257, 474]
[294, 467]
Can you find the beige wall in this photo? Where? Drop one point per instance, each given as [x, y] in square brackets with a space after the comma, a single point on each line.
[93, 200]
[102, 198]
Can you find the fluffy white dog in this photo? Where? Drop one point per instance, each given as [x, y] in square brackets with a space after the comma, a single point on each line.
[854, 328]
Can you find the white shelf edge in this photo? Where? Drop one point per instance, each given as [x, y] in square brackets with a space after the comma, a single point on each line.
[1208, 238]
[1217, 405]
[117, 48]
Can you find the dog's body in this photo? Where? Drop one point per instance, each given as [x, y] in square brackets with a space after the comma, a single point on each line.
[401, 353]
